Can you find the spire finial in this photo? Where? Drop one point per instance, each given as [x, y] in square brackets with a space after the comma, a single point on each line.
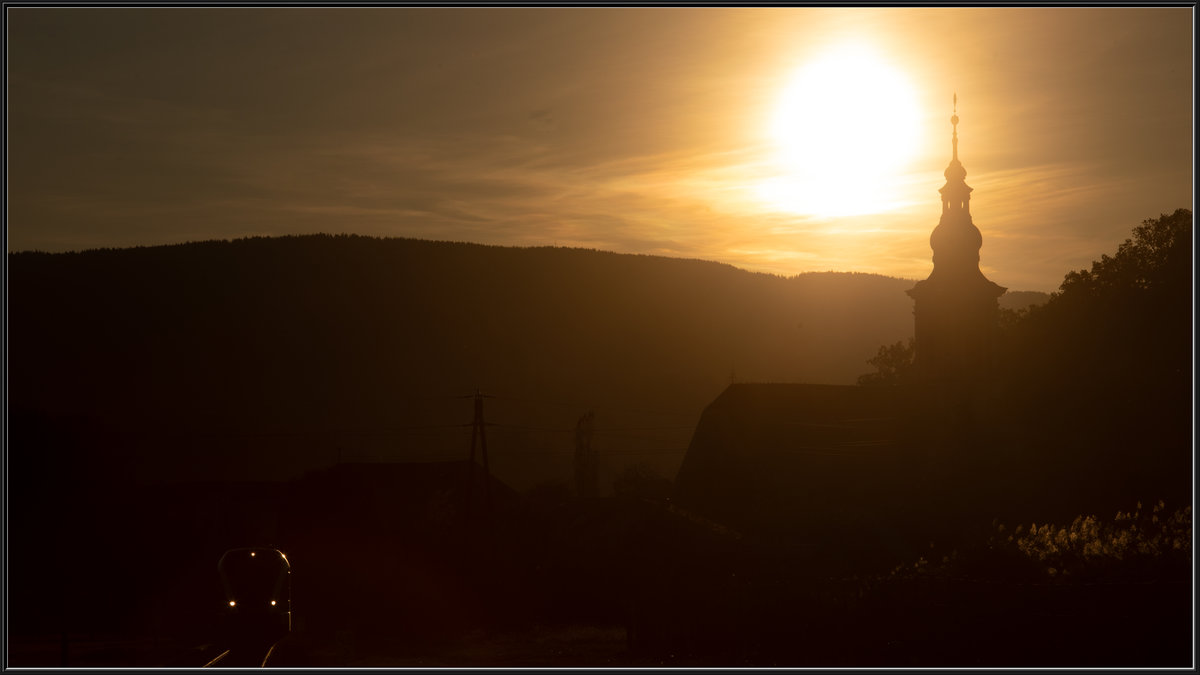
[954, 122]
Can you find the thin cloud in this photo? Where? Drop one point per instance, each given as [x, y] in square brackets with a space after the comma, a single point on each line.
[584, 127]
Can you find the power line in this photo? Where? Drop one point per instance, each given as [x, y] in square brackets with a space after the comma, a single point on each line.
[659, 451]
[603, 432]
[415, 427]
[454, 455]
[576, 404]
[425, 397]
[505, 425]
[391, 431]
[680, 428]
[568, 454]
[628, 436]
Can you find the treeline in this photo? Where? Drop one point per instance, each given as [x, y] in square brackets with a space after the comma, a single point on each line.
[1120, 332]
[1100, 377]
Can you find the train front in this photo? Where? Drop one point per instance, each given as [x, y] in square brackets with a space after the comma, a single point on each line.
[258, 594]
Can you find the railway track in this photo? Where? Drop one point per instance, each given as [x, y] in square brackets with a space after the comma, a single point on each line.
[251, 655]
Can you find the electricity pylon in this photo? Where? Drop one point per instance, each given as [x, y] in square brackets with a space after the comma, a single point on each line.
[479, 431]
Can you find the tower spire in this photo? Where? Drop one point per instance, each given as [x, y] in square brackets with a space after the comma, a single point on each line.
[955, 310]
[956, 194]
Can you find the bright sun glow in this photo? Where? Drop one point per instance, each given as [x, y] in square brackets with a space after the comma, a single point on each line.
[845, 129]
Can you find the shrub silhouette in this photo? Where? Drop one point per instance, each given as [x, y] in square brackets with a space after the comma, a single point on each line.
[641, 481]
[893, 364]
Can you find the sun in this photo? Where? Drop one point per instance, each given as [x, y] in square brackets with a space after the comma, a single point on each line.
[845, 128]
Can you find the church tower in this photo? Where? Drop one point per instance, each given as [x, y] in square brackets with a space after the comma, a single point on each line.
[956, 308]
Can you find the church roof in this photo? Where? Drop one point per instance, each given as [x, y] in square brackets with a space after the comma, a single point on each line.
[809, 462]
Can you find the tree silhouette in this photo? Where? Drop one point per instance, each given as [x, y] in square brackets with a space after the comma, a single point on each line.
[1100, 376]
[1157, 255]
[1130, 311]
[893, 364]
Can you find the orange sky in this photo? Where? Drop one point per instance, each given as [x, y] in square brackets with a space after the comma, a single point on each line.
[636, 130]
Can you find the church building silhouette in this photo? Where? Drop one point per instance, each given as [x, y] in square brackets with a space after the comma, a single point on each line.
[811, 463]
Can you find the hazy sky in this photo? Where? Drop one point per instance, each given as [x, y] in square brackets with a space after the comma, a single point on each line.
[636, 130]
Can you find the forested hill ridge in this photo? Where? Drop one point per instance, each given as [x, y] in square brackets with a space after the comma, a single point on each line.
[300, 333]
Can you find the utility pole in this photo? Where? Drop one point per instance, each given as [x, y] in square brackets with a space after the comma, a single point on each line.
[585, 457]
[478, 431]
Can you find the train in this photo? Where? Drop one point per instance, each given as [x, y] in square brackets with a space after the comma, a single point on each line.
[258, 594]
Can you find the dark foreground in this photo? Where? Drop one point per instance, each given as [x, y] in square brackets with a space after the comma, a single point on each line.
[1063, 631]
[637, 582]
[541, 646]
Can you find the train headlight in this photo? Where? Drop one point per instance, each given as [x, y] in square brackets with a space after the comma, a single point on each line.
[272, 603]
[233, 603]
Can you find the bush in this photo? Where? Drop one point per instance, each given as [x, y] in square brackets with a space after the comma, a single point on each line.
[1142, 545]
[641, 481]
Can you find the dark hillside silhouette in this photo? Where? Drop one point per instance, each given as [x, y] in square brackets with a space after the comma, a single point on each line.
[1020, 300]
[244, 357]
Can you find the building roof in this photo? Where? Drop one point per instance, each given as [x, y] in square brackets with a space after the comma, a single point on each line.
[817, 463]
